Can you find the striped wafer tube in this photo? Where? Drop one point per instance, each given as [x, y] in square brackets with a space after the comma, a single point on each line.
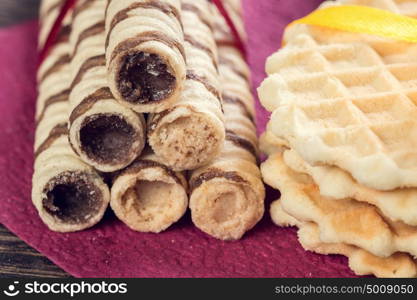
[68, 194]
[148, 196]
[227, 196]
[145, 53]
[191, 133]
[234, 9]
[104, 133]
[48, 13]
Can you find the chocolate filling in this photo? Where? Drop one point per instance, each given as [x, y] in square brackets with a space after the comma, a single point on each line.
[145, 77]
[72, 197]
[107, 138]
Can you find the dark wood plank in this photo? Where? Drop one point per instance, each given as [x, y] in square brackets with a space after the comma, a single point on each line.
[15, 11]
[17, 259]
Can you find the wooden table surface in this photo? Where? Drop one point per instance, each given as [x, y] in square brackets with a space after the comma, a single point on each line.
[16, 258]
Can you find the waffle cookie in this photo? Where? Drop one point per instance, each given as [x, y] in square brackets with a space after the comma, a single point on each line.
[104, 133]
[148, 196]
[227, 195]
[48, 13]
[339, 221]
[145, 53]
[191, 133]
[68, 194]
[333, 92]
[360, 261]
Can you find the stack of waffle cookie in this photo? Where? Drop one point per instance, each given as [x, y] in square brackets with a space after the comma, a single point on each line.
[342, 143]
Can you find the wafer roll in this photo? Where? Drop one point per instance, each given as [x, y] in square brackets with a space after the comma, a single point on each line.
[191, 133]
[68, 194]
[104, 133]
[227, 196]
[234, 9]
[145, 53]
[148, 196]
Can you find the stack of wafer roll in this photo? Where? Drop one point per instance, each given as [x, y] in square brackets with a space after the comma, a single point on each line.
[68, 194]
[126, 58]
[226, 196]
[341, 143]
